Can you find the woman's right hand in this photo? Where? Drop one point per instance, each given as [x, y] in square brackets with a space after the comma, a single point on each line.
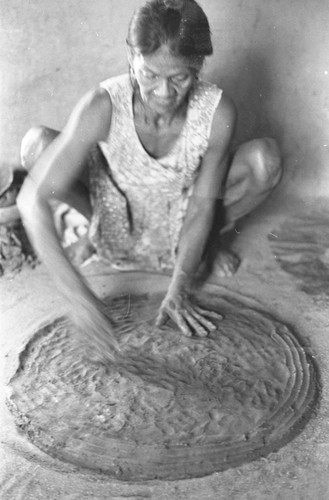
[96, 330]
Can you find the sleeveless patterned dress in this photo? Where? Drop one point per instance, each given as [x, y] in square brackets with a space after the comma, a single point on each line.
[139, 202]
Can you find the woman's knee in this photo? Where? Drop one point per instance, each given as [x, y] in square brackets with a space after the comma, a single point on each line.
[265, 162]
[34, 142]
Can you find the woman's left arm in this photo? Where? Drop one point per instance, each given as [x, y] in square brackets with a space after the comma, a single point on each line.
[197, 226]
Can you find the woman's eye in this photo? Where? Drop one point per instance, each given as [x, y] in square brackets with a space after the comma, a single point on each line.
[148, 75]
[180, 78]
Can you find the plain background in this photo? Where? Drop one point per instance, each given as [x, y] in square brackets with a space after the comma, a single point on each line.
[270, 56]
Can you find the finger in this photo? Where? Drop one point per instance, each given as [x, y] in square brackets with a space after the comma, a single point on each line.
[162, 318]
[222, 272]
[202, 320]
[95, 355]
[102, 353]
[230, 267]
[182, 325]
[206, 312]
[198, 328]
[103, 338]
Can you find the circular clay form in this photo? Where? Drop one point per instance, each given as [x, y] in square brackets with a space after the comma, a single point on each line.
[176, 407]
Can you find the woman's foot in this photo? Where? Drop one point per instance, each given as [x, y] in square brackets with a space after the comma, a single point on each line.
[222, 265]
[225, 264]
[80, 251]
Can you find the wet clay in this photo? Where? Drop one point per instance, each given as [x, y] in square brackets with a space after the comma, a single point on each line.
[176, 407]
[301, 246]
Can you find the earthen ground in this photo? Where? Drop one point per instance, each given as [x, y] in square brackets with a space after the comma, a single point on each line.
[298, 470]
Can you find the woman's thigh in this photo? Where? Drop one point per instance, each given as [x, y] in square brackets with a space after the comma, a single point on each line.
[35, 141]
[255, 169]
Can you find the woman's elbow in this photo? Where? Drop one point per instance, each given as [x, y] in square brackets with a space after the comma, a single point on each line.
[28, 201]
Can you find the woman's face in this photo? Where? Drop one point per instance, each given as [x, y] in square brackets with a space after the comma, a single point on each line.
[164, 80]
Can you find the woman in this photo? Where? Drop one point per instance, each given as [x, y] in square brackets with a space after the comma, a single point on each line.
[155, 144]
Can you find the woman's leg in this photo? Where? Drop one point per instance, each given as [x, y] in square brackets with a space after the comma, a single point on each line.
[72, 227]
[255, 171]
[35, 141]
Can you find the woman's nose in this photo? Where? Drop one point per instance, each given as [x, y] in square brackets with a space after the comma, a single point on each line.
[164, 88]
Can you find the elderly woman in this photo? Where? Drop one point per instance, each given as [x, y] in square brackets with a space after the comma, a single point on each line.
[145, 156]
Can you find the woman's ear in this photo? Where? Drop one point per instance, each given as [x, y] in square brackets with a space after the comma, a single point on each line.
[130, 54]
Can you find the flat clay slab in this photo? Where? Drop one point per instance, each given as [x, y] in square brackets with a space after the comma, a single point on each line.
[176, 407]
[300, 246]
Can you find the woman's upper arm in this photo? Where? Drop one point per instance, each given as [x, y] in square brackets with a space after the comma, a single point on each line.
[61, 163]
[214, 163]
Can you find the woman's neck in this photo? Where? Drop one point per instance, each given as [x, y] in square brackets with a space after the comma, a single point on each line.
[151, 118]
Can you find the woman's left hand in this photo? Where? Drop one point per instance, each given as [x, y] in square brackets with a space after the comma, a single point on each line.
[190, 318]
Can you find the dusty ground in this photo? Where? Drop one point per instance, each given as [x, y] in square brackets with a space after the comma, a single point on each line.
[271, 273]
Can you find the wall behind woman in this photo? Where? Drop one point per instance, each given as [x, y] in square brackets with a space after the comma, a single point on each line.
[271, 57]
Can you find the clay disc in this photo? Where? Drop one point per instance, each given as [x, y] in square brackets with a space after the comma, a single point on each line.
[178, 407]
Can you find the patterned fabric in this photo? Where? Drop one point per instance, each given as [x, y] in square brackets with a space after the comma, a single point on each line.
[139, 202]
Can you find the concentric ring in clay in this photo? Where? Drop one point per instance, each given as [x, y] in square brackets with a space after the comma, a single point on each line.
[178, 407]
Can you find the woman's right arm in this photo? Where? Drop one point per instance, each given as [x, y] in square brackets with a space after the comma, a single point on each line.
[51, 177]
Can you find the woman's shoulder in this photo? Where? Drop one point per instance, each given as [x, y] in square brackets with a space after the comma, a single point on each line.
[204, 87]
[205, 95]
[116, 83]
[119, 89]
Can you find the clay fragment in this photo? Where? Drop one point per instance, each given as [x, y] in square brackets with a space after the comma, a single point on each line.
[300, 245]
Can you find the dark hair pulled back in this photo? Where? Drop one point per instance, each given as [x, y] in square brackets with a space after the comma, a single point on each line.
[181, 24]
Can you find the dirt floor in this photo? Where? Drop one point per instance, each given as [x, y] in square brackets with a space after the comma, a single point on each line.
[285, 268]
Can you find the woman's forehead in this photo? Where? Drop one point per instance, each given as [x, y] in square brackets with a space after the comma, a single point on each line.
[163, 61]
